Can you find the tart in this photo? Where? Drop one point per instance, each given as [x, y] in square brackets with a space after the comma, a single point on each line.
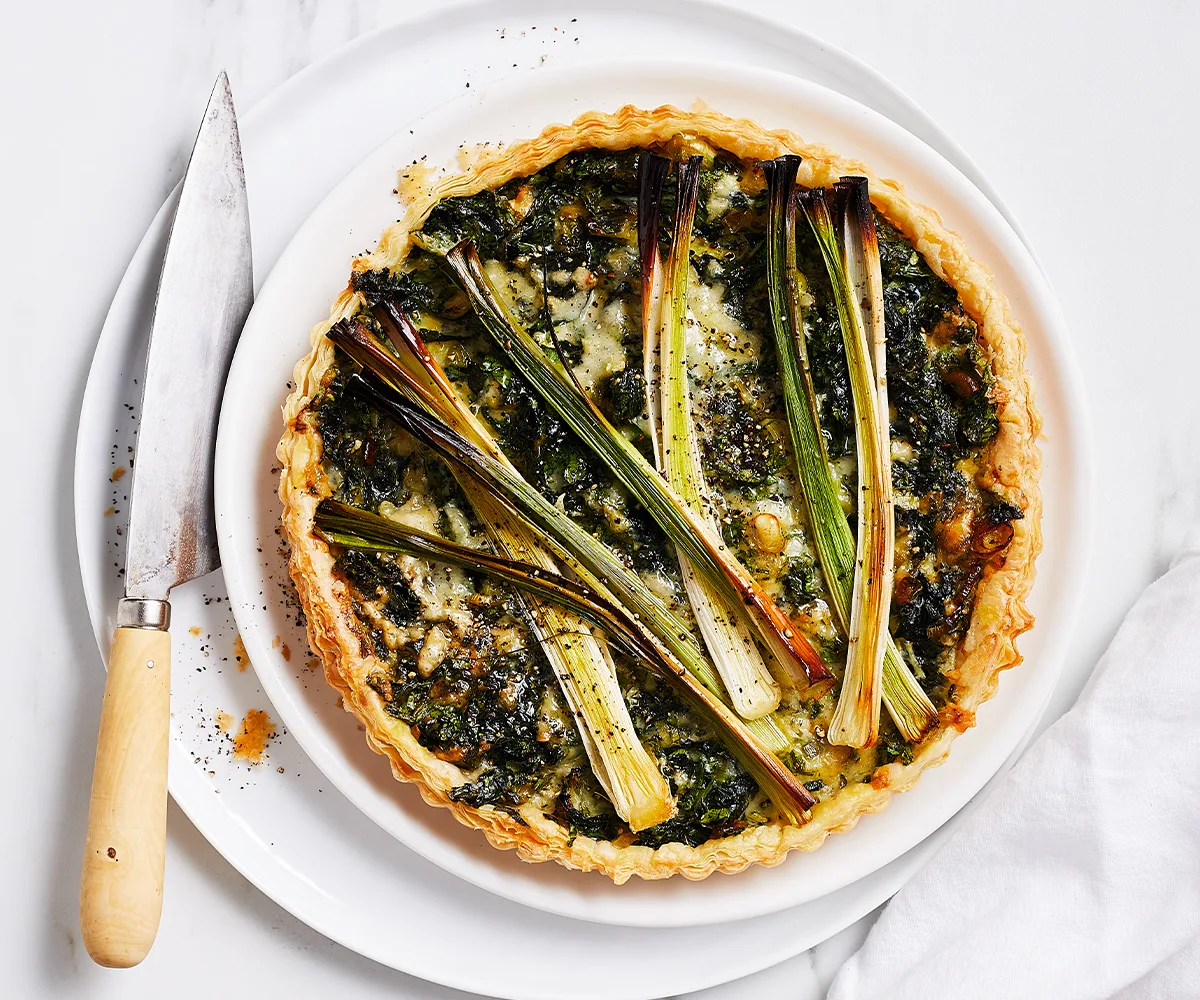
[445, 668]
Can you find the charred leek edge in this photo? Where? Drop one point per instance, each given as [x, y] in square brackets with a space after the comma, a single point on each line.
[864, 270]
[731, 647]
[905, 700]
[347, 526]
[855, 721]
[652, 176]
[594, 563]
[576, 408]
[626, 771]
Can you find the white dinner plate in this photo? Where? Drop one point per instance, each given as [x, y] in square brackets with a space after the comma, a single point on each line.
[281, 825]
[314, 268]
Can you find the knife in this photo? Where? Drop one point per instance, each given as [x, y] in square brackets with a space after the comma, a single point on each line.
[204, 293]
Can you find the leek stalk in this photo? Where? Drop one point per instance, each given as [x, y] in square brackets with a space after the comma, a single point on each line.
[855, 720]
[905, 700]
[751, 687]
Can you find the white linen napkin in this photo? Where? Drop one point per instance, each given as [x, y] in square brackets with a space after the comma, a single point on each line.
[1079, 877]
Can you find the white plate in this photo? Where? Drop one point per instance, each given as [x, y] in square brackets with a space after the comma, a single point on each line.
[293, 835]
[314, 268]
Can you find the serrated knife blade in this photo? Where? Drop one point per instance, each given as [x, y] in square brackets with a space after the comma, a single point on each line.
[205, 291]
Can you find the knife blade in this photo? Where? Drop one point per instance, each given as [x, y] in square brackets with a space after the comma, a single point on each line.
[204, 294]
[205, 291]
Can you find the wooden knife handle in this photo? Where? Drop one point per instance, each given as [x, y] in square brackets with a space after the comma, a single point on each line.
[120, 898]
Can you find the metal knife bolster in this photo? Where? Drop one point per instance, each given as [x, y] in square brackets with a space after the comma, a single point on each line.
[137, 612]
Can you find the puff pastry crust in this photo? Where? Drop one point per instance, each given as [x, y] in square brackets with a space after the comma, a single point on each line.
[1011, 465]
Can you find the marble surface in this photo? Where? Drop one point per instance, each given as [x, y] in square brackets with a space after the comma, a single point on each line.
[1079, 114]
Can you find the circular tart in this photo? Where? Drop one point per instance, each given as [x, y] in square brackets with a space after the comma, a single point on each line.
[514, 712]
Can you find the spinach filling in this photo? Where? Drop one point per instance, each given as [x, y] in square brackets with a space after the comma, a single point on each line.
[713, 791]
[562, 246]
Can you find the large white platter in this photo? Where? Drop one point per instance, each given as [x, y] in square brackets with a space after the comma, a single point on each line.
[313, 269]
[291, 833]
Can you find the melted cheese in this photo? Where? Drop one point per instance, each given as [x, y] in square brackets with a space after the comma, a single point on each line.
[725, 187]
[442, 590]
[516, 291]
[603, 351]
[715, 338]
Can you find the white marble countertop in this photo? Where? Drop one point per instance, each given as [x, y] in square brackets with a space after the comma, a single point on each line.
[1082, 115]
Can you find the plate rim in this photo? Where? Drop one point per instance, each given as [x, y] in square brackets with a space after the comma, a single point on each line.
[826, 99]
